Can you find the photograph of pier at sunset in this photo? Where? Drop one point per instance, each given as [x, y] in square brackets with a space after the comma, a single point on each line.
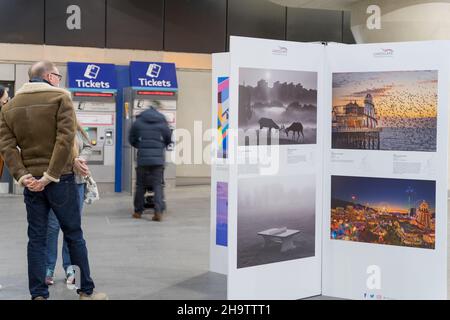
[393, 110]
[397, 212]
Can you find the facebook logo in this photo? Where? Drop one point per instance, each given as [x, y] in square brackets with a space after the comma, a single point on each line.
[91, 71]
[153, 70]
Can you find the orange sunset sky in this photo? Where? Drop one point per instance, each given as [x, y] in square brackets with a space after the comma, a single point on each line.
[404, 94]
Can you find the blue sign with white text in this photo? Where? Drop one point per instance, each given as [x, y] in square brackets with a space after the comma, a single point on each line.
[91, 76]
[153, 75]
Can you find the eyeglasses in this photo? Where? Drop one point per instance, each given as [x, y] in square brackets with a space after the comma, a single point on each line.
[57, 75]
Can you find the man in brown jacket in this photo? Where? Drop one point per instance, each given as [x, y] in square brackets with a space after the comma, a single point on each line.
[37, 131]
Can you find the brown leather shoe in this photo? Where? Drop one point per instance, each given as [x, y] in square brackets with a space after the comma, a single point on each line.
[137, 215]
[157, 216]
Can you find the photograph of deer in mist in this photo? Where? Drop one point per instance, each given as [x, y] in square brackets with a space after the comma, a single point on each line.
[277, 107]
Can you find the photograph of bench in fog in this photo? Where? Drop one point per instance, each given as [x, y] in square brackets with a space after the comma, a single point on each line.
[277, 107]
[276, 219]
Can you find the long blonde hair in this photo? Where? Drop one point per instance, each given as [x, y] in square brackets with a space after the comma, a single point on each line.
[76, 147]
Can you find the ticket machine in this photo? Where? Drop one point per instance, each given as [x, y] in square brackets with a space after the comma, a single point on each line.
[93, 89]
[153, 85]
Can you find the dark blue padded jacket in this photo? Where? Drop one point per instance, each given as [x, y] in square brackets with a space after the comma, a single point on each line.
[151, 135]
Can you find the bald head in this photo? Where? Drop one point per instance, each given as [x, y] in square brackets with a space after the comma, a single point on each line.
[40, 69]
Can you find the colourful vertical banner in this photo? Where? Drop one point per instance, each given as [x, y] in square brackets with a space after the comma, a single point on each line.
[222, 116]
[222, 214]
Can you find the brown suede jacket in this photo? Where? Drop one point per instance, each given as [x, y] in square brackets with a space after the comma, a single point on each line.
[37, 132]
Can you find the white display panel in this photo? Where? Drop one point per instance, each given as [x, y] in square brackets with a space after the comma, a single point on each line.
[275, 209]
[375, 164]
[385, 189]
[219, 171]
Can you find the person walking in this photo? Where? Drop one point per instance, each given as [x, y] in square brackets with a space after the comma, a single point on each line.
[4, 98]
[82, 151]
[37, 132]
[150, 135]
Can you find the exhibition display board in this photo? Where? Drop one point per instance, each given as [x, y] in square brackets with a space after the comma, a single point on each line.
[219, 164]
[385, 191]
[274, 169]
[330, 169]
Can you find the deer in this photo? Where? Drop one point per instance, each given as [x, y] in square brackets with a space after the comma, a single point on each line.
[268, 123]
[295, 127]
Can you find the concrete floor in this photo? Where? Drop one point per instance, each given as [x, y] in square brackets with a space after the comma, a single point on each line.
[130, 259]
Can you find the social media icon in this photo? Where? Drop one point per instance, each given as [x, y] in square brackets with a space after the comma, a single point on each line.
[91, 71]
[153, 70]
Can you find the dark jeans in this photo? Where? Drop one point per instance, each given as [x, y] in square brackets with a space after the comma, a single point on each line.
[149, 177]
[62, 198]
[52, 239]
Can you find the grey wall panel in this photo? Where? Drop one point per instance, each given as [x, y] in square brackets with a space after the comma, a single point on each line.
[195, 25]
[194, 104]
[92, 23]
[63, 72]
[346, 28]
[256, 18]
[202, 26]
[7, 72]
[314, 25]
[135, 24]
[21, 75]
[22, 21]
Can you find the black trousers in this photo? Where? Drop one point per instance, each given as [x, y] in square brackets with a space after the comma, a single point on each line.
[149, 177]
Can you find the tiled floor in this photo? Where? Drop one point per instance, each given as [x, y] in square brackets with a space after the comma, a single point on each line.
[130, 259]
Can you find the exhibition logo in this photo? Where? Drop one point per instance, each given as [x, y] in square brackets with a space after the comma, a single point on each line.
[384, 53]
[280, 51]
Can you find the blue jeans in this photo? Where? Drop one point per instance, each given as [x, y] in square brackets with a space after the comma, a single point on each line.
[63, 199]
[53, 235]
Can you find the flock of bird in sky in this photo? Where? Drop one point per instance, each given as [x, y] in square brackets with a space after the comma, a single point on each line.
[397, 95]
